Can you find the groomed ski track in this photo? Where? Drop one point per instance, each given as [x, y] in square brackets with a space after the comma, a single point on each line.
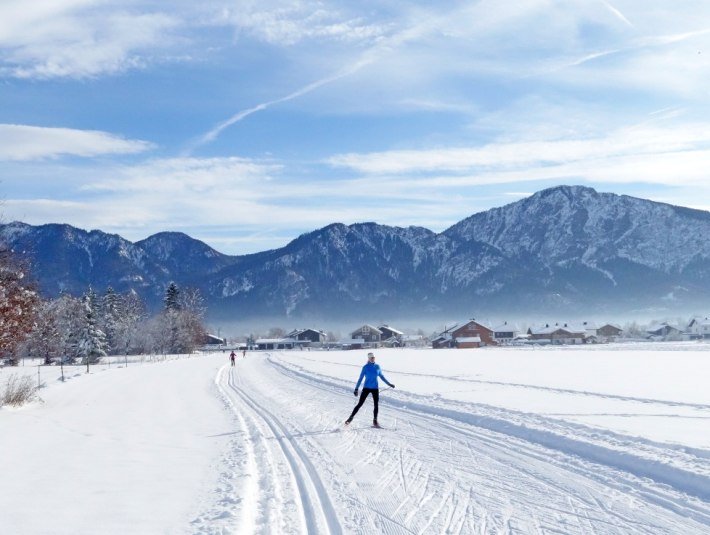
[441, 467]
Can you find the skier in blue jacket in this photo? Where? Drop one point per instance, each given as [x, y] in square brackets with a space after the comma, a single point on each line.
[370, 372]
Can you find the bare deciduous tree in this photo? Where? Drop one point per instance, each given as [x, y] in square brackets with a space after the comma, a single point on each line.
[18, 303]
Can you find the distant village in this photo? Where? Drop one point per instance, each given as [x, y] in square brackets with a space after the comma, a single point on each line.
[476, 334]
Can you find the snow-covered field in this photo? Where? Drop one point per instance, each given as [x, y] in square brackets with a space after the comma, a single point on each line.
[605, 439]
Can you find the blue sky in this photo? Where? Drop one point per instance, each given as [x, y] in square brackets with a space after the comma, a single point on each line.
[245, 124]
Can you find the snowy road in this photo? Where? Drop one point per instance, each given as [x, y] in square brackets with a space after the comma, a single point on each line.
[439, 466]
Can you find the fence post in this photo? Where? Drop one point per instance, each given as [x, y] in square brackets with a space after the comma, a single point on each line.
[39, 380]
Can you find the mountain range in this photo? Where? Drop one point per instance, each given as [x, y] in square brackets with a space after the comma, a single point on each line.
[566, 250]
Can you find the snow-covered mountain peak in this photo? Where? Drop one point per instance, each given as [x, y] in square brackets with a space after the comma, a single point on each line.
[578, 223]
[556, 250]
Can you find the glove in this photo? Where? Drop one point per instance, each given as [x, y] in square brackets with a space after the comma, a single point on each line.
[392, 385]
[355, 392]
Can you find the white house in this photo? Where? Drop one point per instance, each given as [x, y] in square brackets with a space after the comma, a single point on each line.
[558, 334]
[505, 332]
[698, 328]
[275, 343]
[368, 333]
[663, 331]
[609, 332]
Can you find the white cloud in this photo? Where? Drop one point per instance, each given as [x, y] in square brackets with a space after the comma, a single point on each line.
[246, 198]
[463, 52]
[638, 141]
[86, 214]
[78, 38]
[288, 22]
[22, 142]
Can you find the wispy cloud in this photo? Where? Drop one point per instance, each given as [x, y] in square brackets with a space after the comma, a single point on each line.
[189, 176]
[78, 38]
[524, 154]
[102, 214]
[284, 22]
[22, 142]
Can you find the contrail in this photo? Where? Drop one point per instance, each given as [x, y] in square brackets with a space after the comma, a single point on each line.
[616, 12]
[368, 57]
[217, 130]
[648, 42]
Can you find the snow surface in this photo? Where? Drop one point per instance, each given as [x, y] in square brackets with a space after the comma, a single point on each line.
[608, 439]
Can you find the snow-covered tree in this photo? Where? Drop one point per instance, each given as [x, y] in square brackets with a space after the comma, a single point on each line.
[276, 332]
[44, 340]
[633, 330]
[179, 329]
[332, 336]
[91, 341]
[191, 300]
[109, 318]
[94, 301]
[69, 312]
[130, 313]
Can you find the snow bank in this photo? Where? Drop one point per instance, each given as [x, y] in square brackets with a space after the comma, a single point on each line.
[116, 451]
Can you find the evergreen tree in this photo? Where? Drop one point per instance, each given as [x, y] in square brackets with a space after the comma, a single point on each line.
[179, 328]
[69, 313]
[110, 318]
[91, 341]
[94, 302]
[172, 298]
[131, 315]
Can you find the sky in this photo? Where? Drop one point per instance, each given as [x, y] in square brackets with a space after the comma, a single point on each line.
[245, 124]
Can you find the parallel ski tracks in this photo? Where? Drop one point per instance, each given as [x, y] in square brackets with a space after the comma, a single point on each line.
[316, 513]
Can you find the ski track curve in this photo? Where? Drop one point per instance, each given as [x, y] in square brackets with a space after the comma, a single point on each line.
[443, 467]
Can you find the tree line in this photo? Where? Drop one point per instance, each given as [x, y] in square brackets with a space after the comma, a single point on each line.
[88, 327]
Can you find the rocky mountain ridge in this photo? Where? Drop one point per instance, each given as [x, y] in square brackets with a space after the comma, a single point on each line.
[567, 249]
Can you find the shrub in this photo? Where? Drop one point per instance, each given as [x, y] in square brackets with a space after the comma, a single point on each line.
[18, 391]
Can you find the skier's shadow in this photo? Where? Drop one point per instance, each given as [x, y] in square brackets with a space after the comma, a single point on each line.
[225, 434]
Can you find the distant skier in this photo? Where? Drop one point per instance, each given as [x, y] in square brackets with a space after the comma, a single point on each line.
[232, 356]
[370, 372]
[244, 353]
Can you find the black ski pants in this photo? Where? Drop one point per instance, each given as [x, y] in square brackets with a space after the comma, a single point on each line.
[375, 397]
